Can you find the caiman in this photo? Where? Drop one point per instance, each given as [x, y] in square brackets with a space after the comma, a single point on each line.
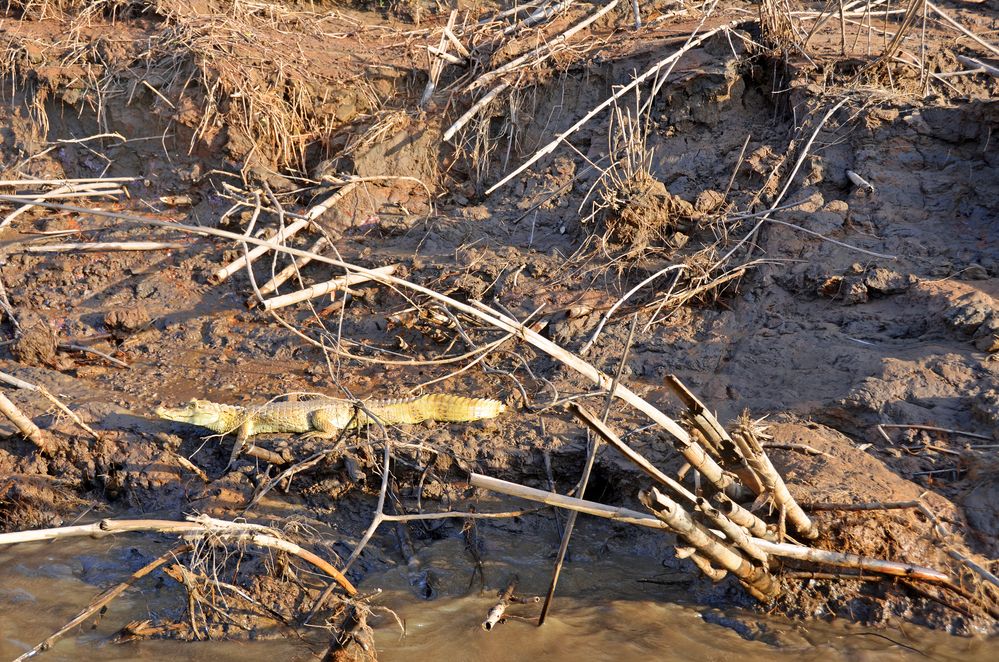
[325, 418]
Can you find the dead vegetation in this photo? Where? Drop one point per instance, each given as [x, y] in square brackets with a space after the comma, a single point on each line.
[273, 93]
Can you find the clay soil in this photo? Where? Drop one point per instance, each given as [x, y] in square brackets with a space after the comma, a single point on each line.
[860, 307]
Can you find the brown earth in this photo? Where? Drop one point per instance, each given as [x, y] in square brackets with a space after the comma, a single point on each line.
[826, 340]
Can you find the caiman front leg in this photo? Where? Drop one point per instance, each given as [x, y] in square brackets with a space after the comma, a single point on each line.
[243, 433]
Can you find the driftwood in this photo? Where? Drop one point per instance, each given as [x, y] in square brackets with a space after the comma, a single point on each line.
[754, 577]
[730, 509]
[495, 614]
[320, 289]
[783, 550]
[718, 440]
[745, 437]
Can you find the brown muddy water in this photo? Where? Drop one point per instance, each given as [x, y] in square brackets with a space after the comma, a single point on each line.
[609, 608]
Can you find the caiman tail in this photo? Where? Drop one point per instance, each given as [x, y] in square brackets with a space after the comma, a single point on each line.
[435, 407]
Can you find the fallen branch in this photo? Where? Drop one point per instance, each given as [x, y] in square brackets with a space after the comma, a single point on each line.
[319, 289]
[963, 30]
[978, 65]
[41, 390]
[544, 52]
[197, 526]
[933, 428]
[70, 190]
[7, 183]
[474, 110]
[25, 425]
[101, 247]
[283, 234]
[68, 347]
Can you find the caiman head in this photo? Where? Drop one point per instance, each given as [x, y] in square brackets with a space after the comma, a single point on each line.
[204, 413]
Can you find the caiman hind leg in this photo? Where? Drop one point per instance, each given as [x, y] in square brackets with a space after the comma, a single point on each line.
[327, 423]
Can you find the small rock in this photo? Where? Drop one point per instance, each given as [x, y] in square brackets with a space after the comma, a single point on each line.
[969, 313]
[122, 322]
[850, 290]
[37, 342]
[812, 203]
[840, 207]
[986, 337]
[885, 281]
[708, 201]
[856, 292]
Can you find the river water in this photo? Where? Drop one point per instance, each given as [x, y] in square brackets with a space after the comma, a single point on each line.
[609, 607]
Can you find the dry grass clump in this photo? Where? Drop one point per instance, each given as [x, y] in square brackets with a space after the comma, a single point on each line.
[235, 72]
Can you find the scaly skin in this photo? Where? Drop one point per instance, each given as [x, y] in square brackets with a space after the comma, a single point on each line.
[325, 418]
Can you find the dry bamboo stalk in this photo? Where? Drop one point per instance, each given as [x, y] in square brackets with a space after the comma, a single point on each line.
[279, 279]
[754, 524]
[24, 424]
[318, 210]
[704, 565]
[745, 438]
[62, 182]
[963, 30]
[284, 234]
[978, 65]
[733, 531]
[458, 46]
[542, 52]
[623, 515]
[756, 579]
[784, 550]
[619, 93]
[69, 190]
[474, 110]
[444, 55]
[319, 289]
[41, 390]
[101, 247]
[541, 14]
[496, 613]
[436, 66]
[715, 433]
